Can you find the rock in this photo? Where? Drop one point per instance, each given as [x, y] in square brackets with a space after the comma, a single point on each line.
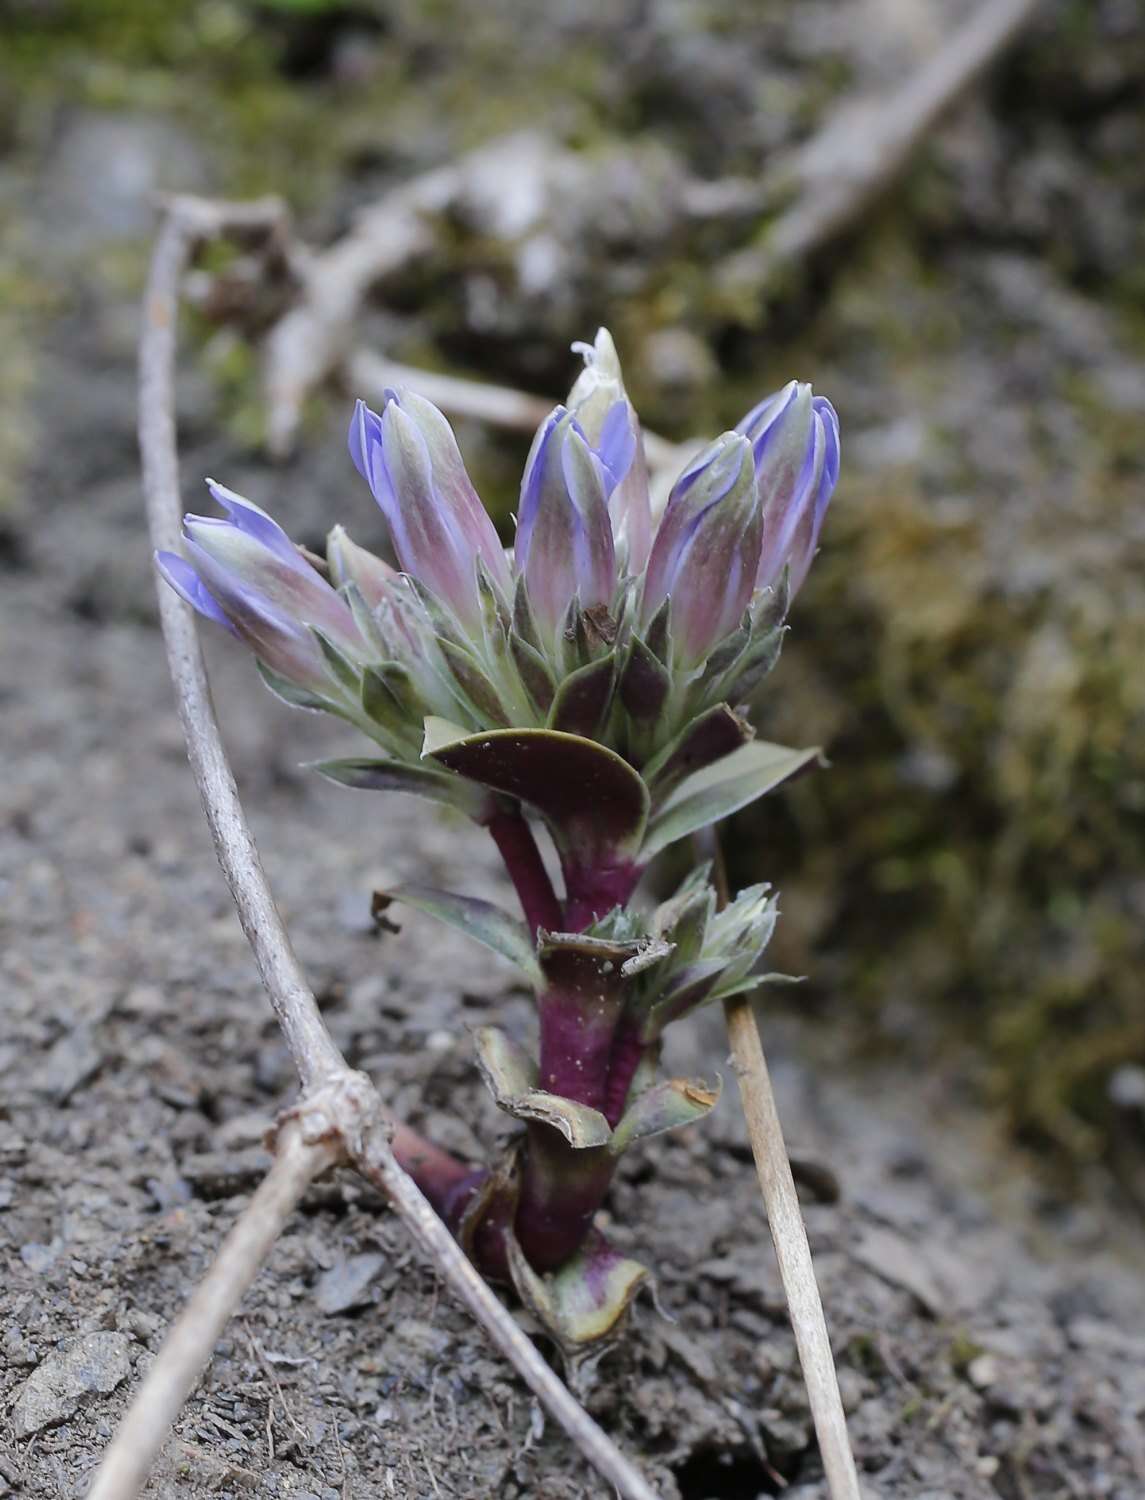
[69, 1064]
[346, 1284]
[94, 1363]
[40, 1258]
[903, 1264]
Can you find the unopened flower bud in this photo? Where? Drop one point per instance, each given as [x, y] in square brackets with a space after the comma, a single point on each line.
[410, 459]
[564, 544]
[706, 552]
[245, 572]
[349, 563]
[795, 440]
[595, 395]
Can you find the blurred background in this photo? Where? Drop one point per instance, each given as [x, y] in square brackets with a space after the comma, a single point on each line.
[966, 884]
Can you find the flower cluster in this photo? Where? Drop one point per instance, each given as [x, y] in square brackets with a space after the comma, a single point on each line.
[598, 678]
[593, 624]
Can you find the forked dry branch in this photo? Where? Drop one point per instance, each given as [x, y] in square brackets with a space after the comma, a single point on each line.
[339, 1116]
[867, 143]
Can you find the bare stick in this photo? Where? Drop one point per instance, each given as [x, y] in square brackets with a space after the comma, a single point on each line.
[866, 144]
[340, 1110]
[792, 1251]
[187, 1348]
[187, 221]
[788, 1233]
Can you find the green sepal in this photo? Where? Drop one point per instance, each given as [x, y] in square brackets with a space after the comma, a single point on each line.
[644, 683]
[291, 693]
[364, 617]
[758, 660]
[658, 636]
[584, 697]
[723, 788]
[534, 673]
[664, 1106]
[473, 683]
[340, 667]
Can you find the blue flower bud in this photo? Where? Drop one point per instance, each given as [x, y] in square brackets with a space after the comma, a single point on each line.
[706, 552]
[564, 545]
[597, 396]
[410, 459]
[795, 442]
[244, 572]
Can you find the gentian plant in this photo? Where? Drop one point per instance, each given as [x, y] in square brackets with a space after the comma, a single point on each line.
[596, 682]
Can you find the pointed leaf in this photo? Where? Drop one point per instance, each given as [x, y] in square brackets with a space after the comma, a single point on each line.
[478, 919]
[397, 776]
[723, 788]
[533, 672]
[583, 699]
[342, 669]
[594, 802]
[692, 987]
[758, 660]
[666, 1105]
[659, 633]
[474, 683]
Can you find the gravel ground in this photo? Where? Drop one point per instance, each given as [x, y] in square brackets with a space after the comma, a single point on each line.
[991, 1339]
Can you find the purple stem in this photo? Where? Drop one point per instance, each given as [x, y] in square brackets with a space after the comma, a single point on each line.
[593, 890]
[446, 1182]
[576, 1042]
[561, 1190]
[518, 848]
[628, 1047]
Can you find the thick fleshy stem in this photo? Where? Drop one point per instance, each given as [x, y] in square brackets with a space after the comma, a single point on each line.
[576, 1044]
[593, 890]
[561, 1190]
[518, 848]
[626, 1054]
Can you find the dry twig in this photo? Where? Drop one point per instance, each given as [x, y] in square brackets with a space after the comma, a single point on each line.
[340, 1115]
[785, 1220]
[867, 142]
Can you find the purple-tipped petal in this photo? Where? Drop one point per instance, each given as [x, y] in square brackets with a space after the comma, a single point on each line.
[760, 424]
[281, 582]
[564, 545]
[179, 573]
[365, 432]
[706, 551]
[254, 522]
[276, 637]
[616, 446]
[798, 471]
[410, 459]
[602, 408]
